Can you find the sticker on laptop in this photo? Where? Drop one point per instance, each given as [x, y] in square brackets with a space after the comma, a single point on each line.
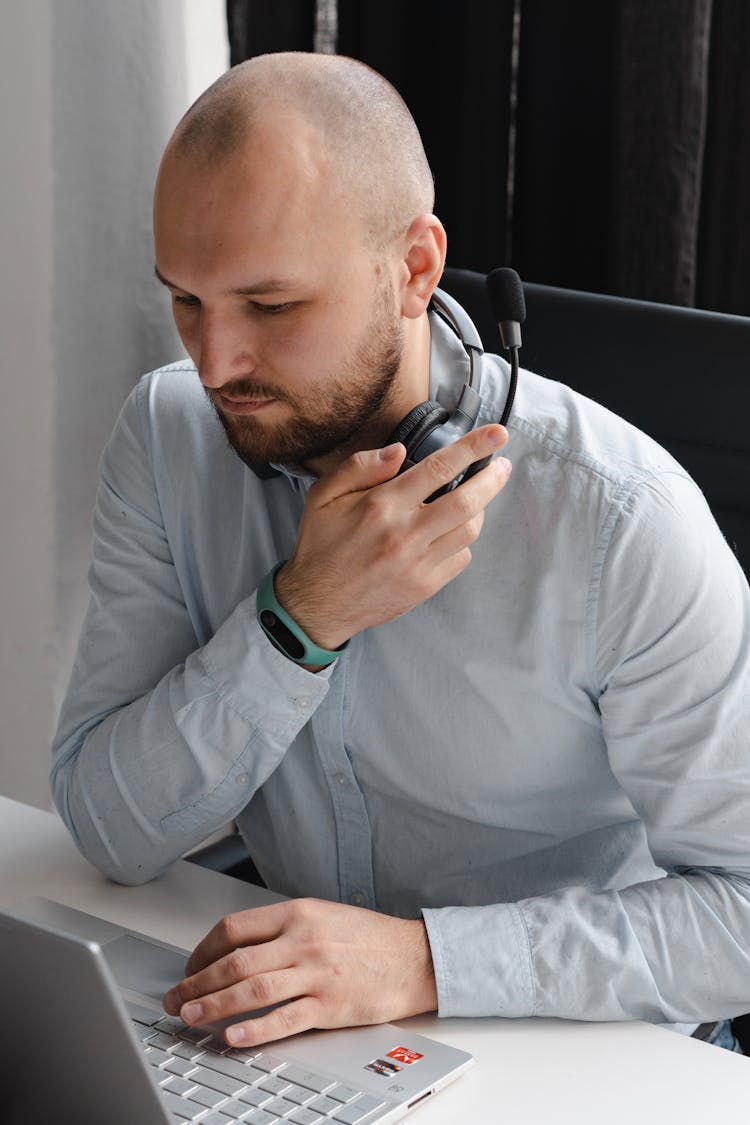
[384, 1067]
[404, 1055]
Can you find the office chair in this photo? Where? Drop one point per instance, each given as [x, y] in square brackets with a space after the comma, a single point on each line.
[681, 375]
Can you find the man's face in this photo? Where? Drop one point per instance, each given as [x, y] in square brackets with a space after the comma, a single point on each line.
[290, 320]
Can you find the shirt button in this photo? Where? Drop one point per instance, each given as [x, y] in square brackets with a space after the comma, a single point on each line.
[303, 701]
[242, 778]
[357, 898]
[342, 780]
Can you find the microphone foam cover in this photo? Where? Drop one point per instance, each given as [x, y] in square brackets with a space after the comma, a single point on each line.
[506, 295]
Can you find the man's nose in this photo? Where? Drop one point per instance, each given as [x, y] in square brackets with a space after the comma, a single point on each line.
[226, 352]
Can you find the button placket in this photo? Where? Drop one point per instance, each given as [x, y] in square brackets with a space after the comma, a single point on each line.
[353, 835]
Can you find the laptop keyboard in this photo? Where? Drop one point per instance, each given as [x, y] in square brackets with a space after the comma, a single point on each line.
[204, 1080]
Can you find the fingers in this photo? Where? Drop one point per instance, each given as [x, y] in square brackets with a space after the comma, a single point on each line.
[246, 928]
[455, 520]
[372, 467]
[289, 1019]
[359, 472]
[220, 978]
[443, 466]
[248, 994]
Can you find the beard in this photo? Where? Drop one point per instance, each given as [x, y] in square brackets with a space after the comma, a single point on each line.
[324, 420]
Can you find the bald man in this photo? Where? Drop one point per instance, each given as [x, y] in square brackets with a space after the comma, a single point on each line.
[492, 775]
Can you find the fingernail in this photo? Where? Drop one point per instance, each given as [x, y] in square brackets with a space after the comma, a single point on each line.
[494, 438]
[503, 465]
[235, 1035]
[389, 452]
[192, 1013]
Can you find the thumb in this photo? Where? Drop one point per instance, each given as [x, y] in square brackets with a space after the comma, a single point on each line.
[361, 471]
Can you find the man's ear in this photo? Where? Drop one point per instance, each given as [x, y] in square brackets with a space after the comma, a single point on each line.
[422, 264]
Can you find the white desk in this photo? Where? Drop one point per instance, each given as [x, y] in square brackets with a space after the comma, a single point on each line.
[529, 1071]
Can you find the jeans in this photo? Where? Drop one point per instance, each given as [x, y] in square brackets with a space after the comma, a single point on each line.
[719, 1034]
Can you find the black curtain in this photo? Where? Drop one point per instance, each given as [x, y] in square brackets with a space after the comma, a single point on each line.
[257, 27]
[591, 145]
[456, 76]
[724, 240]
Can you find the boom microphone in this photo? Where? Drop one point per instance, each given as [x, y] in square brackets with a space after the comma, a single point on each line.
[506, 297]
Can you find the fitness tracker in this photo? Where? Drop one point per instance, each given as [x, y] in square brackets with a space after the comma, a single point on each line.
[284, 632]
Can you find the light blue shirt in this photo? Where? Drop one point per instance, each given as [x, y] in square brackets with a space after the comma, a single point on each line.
[548, 759]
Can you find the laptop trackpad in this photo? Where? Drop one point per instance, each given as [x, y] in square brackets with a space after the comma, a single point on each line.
[143, 966]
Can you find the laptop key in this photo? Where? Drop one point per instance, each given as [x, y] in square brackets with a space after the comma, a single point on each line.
[254, 1096]
[179, 1066]
[196, 1034]
[216, 1044]
[253, 1075]
[280, 1106]
[155, 1057]
[353, 1112]
[170, 1024]
[140, 1014]
[216, 1081]
[269, 1063]
[187, 1051]
[216, 1117]
[305, 1116]
[180, 1107]
[343, 1093]
[241, 1071]
[308, 1078]
[261, 1117]
[161, 1039]
[177, 1085]
[273, 1084]
[208, 1098]
[234, 1108]
[299, 1094]
[243, 1054]
[324, 1105]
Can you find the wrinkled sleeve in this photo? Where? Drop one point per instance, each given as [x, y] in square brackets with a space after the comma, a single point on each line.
[161, 741]
[670, 653]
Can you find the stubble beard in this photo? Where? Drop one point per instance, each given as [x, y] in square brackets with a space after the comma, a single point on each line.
[328, 420]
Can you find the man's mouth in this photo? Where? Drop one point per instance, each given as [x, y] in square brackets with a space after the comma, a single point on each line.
[242, 405]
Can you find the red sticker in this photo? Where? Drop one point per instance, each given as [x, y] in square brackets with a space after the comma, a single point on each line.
[404, 1055]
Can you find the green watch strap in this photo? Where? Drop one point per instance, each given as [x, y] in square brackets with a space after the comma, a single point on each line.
[284, 632]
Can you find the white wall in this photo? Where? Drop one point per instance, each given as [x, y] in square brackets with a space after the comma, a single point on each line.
[89, 93]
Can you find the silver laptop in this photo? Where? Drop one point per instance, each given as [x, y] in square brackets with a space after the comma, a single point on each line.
[87, 1041]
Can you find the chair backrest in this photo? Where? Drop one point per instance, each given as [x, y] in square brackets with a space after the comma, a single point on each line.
[681, 375]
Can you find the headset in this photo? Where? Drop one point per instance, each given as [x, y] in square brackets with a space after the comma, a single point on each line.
[430, 426]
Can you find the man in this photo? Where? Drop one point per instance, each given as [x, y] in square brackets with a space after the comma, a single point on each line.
[524, 751]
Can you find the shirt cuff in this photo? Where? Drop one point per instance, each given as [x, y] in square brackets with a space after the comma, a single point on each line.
[270, 691]
[482, 960]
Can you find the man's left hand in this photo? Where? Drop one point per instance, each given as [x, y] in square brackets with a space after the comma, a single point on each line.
[326, 964]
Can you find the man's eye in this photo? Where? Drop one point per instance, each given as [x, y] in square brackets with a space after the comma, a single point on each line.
[271, 310]
[185, 299]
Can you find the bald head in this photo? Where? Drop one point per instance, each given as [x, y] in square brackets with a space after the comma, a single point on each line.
[361, 129]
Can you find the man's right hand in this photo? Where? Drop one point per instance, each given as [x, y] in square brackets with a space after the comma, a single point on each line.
[369, 549]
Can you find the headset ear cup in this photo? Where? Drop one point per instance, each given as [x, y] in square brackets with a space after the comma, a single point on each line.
[418, 423]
